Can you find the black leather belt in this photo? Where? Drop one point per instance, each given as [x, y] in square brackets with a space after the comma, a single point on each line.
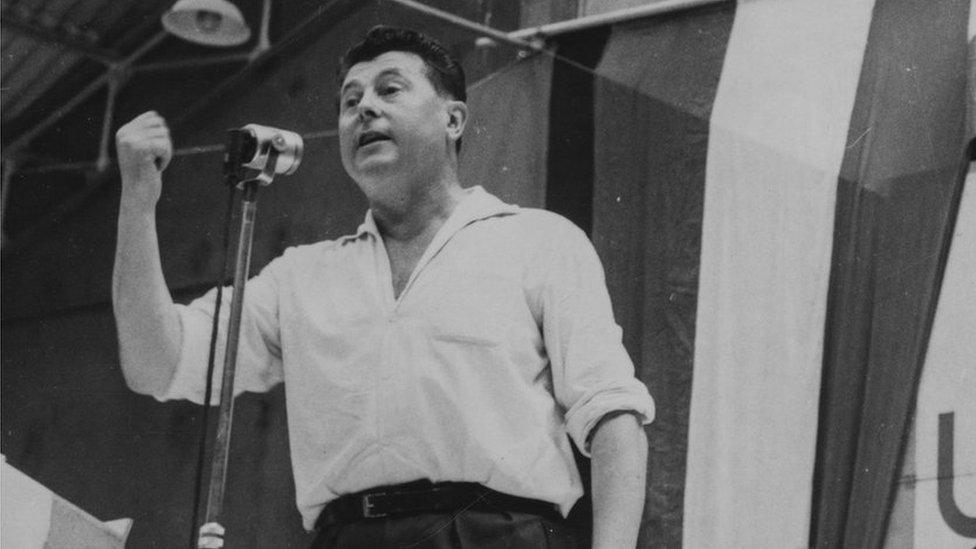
[426, 497]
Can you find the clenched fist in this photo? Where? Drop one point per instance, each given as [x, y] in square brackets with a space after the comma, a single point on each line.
[144, 150]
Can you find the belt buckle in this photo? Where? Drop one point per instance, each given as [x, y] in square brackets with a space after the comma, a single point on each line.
[368, 505]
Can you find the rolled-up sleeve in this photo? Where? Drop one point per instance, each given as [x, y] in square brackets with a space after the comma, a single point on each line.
[258, 367]
[591, 371]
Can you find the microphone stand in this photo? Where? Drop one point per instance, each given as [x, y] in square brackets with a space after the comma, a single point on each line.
[212, 533]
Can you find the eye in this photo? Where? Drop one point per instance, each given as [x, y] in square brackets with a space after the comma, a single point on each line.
[390, 89]
[350, 101]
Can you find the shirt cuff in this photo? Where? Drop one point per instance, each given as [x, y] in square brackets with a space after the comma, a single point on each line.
[588, 410]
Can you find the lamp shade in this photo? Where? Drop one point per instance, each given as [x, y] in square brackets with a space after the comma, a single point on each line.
[207, 22]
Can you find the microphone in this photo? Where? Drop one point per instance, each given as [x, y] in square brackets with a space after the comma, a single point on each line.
[258, 143]
[252, 145]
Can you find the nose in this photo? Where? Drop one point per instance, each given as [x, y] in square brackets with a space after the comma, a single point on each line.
[367, 106]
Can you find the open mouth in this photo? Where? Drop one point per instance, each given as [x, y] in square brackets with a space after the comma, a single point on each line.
[370, 137]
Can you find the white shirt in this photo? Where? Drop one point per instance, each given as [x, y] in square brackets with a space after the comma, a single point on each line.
[502, 341]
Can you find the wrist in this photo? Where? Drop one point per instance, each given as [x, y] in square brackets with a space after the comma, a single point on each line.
[134, 205]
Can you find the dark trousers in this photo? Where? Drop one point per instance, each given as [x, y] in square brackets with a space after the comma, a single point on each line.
[469, 529]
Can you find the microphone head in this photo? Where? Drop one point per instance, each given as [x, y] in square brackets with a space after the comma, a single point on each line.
[257, 144]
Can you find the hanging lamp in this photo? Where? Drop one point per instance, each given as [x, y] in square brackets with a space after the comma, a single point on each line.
[207, 22]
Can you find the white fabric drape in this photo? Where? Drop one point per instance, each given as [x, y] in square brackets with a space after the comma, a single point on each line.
[777, 138]
[946, 387]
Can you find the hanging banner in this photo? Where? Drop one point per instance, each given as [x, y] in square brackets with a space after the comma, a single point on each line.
[945, 420]
[776, 142]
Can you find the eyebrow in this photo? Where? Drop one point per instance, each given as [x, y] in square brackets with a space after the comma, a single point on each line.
[394, 71]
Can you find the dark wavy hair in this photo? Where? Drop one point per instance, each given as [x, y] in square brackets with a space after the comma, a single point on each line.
[443, 70]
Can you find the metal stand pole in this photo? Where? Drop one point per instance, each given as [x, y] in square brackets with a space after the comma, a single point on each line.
[211, 533]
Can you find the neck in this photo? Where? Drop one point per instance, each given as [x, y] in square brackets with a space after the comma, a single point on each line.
[419, 212]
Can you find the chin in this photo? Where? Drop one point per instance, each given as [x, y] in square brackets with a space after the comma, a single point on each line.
[374, 180]
[375, 183]
[376, 164]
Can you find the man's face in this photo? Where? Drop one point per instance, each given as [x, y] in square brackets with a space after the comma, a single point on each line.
[392, 122]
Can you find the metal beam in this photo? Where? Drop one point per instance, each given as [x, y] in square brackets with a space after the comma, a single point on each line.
[82, 165]
[92, 51]
[80, 197]
[24, 139]
[114, 84]
[609, 18]
[8, 170]
[77, 199]
[196, 62]
[469, 25]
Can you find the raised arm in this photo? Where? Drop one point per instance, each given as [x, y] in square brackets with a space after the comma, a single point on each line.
[148, 325]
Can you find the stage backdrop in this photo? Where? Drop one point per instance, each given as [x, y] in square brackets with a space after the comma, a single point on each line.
[772, 187]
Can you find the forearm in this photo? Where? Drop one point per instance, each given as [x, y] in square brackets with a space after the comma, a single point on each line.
[618, 452]
[148, 325]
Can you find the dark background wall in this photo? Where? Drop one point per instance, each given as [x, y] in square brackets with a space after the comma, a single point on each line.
[67, 418]
[547, 131]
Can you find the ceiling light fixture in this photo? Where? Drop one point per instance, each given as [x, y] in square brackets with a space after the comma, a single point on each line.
[207, 22]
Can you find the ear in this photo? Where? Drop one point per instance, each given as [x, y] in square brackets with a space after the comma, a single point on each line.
[457, 119]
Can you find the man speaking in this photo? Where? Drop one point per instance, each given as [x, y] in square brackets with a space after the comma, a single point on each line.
[434, 360]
